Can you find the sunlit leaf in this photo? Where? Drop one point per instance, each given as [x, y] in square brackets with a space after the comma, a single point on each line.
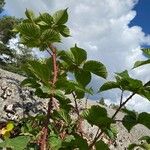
[60, 17]
[29, 13]
[96, 68]
[79, 54]
[146, 51]
[141, 63]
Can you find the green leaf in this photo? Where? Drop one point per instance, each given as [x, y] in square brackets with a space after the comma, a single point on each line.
[30, 82]
[79, 54]
[95, 67]
[129, 121]
[29, 30]
[67, 57]
[100, 145]
[145, 92]
[63, 114]
[123, 74]
[10, 126]
[141, 63]
[82, 77]
[146, 51]
[127, 83]
[80, 142]
[55, 142]
[64, 30]
[146, 146]
[97, 115]
[132, 146]
[60, 17]
[29, 13]
[145, 138]
[42, 23]
[75, 141]
[41, 71]
[50, 35]
[41, 94]
[64, 102]
[112, 132]
[47, 18]
[108, 86]
[144, 119]
[29, 41]
[17, 143]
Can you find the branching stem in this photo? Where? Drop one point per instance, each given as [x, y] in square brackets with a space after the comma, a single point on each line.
[121, 105]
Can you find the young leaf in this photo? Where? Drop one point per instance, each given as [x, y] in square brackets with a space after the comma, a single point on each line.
[29, 30]
[95, 67]
[60, 17]
[29, 13]
[10, 126]
[79, 54]
[50, 35]
[100, 145]
[47, 18]
[64, 30]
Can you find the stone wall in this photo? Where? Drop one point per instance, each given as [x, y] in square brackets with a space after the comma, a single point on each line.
[16, 101]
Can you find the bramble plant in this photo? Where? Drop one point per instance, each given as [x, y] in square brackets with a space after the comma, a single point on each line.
[58, 130]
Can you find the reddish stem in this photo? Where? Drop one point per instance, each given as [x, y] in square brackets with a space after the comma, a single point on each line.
[45, 130]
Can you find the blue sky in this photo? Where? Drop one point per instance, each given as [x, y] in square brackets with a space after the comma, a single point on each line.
[143, 15]
[111, 31]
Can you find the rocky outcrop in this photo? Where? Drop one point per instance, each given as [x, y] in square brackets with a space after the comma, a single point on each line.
[17, 102]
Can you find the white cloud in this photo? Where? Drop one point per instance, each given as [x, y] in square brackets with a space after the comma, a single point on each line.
[139, 104]
[101, 27]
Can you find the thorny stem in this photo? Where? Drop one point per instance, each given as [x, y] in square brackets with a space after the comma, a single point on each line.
[44, 137]
[121, 105]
